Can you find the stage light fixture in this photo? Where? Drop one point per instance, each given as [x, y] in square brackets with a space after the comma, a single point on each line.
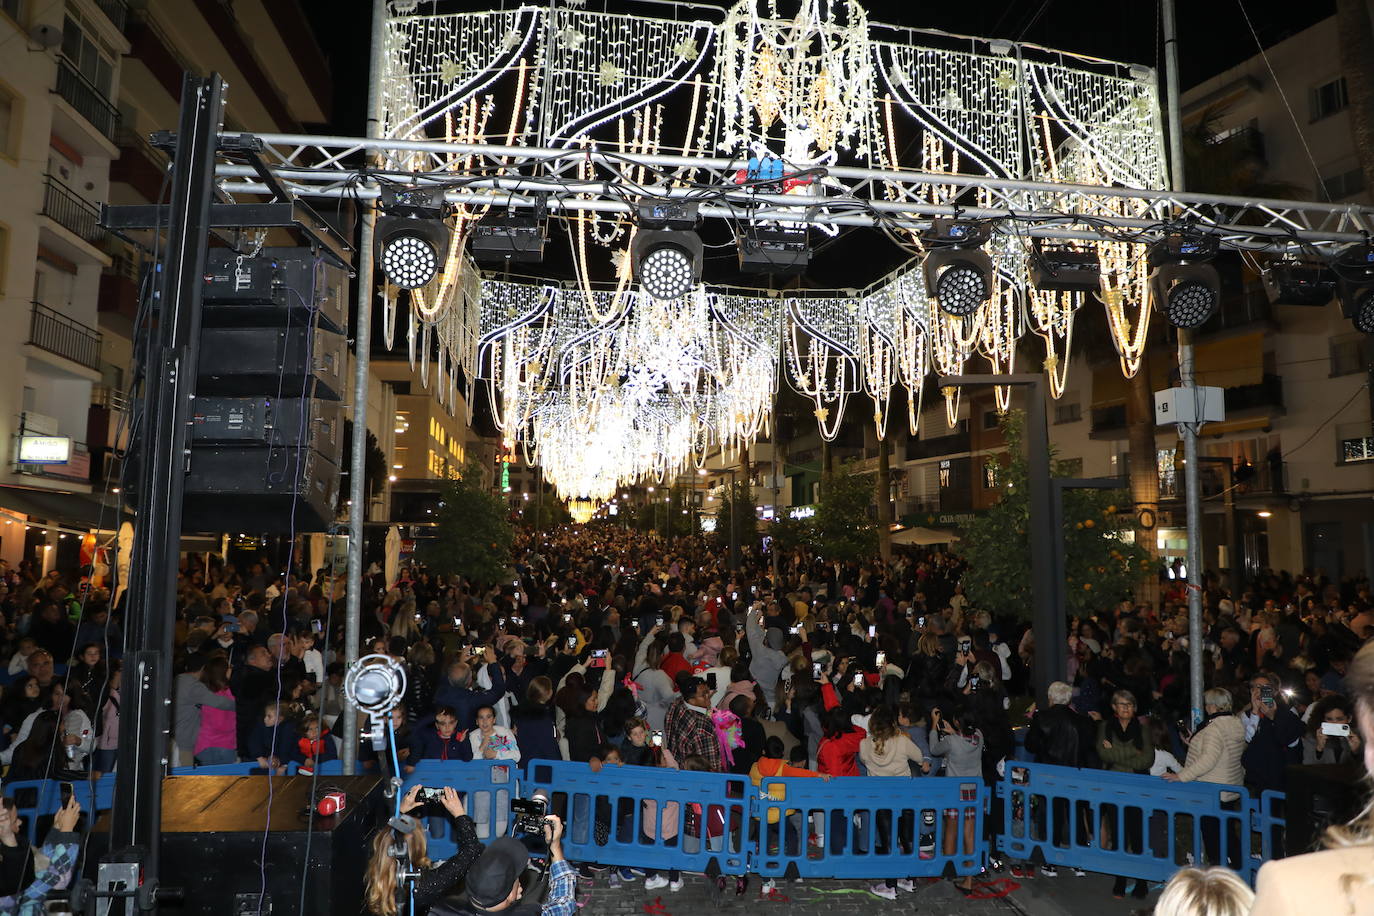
[958, 272]
[1291, 282]
[667, 254]
[512, 235]
[1063, 269]
[1183, 283]
[772, 250]
[411, 236]
[1354, 270]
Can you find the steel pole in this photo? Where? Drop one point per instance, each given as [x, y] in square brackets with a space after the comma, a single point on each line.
[362, 362]
[1187, 431]
[163, 448]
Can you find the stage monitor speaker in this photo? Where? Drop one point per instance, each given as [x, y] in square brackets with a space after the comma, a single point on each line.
[276, 286]
[215, 847]
[259, 490]
[268, 421]
[281, 361]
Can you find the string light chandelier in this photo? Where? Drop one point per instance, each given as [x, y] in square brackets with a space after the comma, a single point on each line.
[638, 377]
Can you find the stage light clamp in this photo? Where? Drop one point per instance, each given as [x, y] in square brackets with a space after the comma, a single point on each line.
[667, 213]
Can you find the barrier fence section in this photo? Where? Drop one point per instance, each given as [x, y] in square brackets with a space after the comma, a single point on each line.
[649, 817]
[1269, 823]
[488, 787]
[1122, 823]
[42, 798]
[870, 827]
[853, 827]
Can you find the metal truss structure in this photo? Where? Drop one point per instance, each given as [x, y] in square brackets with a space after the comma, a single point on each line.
[330, 167]
[814, 117]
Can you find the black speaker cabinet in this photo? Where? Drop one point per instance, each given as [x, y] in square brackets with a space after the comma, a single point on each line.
[268, 421]
[260, 490]
[213, 844]
[280, 361]
[275, 287]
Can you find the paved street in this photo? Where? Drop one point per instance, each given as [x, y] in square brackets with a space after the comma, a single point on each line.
[1038, 896]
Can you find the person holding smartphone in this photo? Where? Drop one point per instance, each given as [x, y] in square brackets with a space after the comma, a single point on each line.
[61, 849]
[1331, 737]
[767, 658]
[1274, 735]
[656, 689]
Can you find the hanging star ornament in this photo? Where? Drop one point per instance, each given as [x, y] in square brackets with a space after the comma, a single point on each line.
[572, 38]
[511, 40]
[449, 70]
[822, 413]
[1006, 81]
[687, 48]
[609, 74]
[404, 7]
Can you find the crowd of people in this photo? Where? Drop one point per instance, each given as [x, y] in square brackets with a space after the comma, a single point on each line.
[617, 648]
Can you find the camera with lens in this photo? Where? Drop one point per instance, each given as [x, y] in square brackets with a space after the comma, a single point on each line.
[529, 814]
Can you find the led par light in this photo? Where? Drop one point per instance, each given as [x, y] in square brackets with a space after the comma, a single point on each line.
[958, 272]
[1290, 282]
[1064, 269]
[1354, 270]
[411, 236]
[667, 262]
[1183, 283]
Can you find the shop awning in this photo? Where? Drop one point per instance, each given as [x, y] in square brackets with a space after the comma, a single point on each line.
[76, 510]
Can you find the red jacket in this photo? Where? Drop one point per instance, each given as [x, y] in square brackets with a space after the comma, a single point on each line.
[840, 756]
[674, 664]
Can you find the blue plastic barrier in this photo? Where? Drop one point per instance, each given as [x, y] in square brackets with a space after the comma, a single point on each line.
[488, 786]
[870, 827]
[1269, 823]
[37, 798]
[649, 817]
[1121, 823]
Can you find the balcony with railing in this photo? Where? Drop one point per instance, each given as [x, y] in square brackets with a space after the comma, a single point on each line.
[87, 99]
[1108, 422]
[72, 212]
[139, 165]
[117, 11]
[106, 425]
[1265, 395]
[953, 444]
[119, 284]
[55, 333]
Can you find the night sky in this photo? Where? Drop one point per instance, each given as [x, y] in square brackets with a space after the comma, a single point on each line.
[1212, 33]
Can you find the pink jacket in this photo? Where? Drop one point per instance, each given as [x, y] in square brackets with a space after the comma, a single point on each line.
[109, 726]
[218, 727]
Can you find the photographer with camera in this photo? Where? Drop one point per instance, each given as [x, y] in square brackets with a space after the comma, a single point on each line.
[384, 893]
[493, 882]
